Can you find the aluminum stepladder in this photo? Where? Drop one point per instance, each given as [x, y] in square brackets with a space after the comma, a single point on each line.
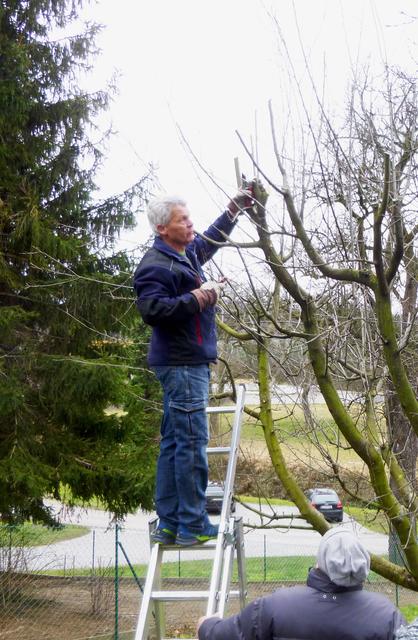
[230, 539]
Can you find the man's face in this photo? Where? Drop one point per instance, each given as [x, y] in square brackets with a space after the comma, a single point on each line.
[178, 232]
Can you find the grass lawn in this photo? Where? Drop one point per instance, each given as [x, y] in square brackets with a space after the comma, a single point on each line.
[260, 569]
[410, 611]
[34, 535]
[289, 420]
[68, 499]
[369, 518]
[297, 444]
[269, 569]
[272, 501]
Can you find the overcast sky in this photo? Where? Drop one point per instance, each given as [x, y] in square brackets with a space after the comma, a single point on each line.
[212, 66]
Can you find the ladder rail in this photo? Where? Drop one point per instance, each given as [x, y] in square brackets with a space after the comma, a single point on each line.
[242, 573]
[226, 570]
[159, 609]
[145, 610]
[226, 504]
[232, 461]
[216, 571]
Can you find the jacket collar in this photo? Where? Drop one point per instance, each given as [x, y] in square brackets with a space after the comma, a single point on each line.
[162, 246]
[319, 580]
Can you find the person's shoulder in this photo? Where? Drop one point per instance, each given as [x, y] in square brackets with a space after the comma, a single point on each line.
[374, 595]
[150, 254]
[288, 593]
[378, 601]
[153, 257]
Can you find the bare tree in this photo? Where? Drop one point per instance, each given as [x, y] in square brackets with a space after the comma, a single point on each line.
[344, 263]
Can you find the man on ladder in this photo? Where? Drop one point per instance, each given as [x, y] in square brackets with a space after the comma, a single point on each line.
[177, 301]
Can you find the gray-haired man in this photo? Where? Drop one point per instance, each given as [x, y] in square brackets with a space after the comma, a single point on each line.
[177, 301]
[332, 606]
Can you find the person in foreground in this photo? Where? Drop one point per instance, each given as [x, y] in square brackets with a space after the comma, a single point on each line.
[177, 301]
[408, 632]
[332, 606]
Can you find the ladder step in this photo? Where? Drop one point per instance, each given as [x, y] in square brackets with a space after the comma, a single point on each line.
[211, 544]
[211, 450]
[174, 596]
[177, 596]
[221, 409]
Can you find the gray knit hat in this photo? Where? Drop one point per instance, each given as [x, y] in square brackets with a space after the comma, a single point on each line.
[409, 632]
[343, 558]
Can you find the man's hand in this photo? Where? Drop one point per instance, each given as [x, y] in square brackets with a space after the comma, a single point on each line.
[243, 201]
[218, 287]
[208, 294]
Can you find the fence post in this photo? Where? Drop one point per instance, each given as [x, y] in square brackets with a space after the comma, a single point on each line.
[264, 558]
[396, 556]
[93, 552]
[116, 634]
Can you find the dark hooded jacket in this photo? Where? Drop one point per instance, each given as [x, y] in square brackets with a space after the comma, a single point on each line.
[319, 611]
[163, 281]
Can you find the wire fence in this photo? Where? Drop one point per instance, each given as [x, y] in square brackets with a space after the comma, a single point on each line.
[91, 586]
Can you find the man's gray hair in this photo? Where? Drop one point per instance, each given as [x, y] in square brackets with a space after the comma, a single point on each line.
[159, 209]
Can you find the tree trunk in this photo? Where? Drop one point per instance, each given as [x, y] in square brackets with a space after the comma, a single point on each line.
[402, 437]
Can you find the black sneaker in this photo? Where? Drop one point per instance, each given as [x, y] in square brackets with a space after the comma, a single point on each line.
[210, 532]
[163, 536]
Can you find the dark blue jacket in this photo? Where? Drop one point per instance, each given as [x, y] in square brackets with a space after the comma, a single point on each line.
[319, 611]
[163, 281]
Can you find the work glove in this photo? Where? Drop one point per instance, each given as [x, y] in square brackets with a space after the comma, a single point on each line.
[243, 201]
[208, 294]
[214, 285]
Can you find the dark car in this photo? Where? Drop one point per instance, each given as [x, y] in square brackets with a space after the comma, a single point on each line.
[327, 502]
[215, 496]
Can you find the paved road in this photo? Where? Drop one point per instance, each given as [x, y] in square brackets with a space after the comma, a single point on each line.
[288, 394]
[98, 547]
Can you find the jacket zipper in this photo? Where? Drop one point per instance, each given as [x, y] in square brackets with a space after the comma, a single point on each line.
[198, 330]
[198, 325]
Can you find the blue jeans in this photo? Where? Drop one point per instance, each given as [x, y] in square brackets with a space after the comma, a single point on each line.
[182, 469]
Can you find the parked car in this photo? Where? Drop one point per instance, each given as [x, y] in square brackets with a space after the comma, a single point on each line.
[215, 496]
[327, 502]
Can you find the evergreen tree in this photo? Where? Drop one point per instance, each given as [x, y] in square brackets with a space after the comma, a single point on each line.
[64, 289]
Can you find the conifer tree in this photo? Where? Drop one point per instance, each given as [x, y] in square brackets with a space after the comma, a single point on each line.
[64, 289]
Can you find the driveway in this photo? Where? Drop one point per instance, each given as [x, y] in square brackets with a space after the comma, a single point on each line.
[97, 549]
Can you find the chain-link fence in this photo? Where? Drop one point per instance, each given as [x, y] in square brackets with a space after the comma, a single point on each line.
[91, 586]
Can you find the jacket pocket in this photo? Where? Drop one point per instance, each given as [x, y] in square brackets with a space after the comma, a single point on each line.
[188, 407]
